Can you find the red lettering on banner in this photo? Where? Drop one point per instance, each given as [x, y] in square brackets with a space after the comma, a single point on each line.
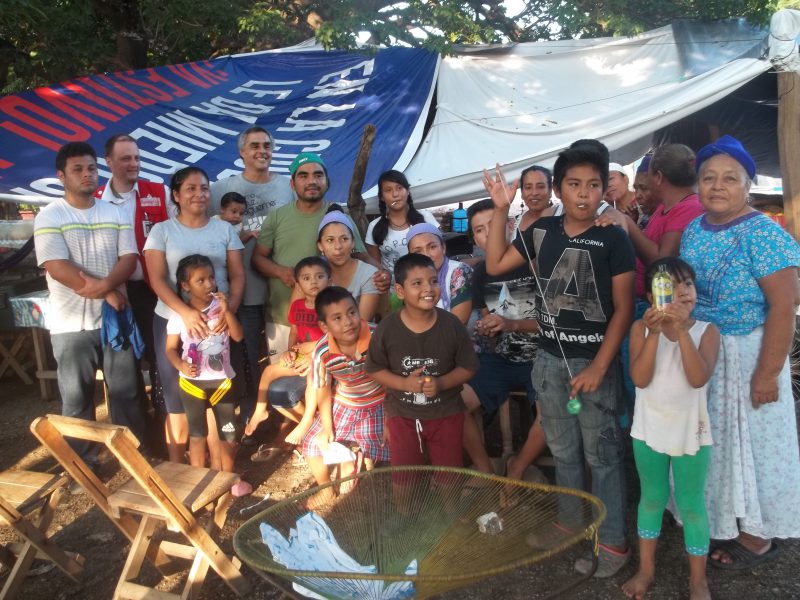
[220, 73]
[103, 89]
[140, 100]
[155, 77]
[63, 102]
[208, 74]
[148, 90]
[4, 164]
[13, 107]
[72, 86]
[182, 72]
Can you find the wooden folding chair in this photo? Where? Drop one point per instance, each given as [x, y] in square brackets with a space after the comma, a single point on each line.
[172, 493]
[27, 504]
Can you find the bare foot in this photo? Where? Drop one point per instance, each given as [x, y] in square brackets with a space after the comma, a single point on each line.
[295, 438]
[254, 422]
[320, 500]
[636, 587]
[699, 591]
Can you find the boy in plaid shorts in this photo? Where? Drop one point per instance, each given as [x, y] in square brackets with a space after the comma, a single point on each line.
[354, 411]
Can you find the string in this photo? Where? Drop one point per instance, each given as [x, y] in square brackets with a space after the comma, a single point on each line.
[536, 279]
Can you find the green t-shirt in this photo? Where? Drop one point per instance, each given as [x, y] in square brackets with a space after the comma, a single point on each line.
[292, 235]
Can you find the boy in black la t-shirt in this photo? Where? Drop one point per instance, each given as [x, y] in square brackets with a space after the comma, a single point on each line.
[585, 307]
[422, 355]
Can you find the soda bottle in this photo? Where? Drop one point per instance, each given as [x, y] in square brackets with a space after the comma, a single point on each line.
[662, 288]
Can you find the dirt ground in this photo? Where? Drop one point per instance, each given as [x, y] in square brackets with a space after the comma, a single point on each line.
[79, 526]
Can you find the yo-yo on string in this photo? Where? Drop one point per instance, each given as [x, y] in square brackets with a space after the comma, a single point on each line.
[574, 405]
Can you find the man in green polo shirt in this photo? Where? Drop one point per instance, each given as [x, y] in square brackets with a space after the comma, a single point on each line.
[288, 235]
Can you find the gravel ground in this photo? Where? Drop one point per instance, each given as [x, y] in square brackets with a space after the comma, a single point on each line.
[80, 526]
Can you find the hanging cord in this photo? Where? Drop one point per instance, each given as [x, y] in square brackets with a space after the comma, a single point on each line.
[552, 324]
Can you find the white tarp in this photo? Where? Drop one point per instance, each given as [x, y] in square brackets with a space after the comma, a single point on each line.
[520, 105]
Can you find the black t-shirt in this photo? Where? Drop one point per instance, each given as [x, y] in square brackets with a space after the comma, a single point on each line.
[440, 349]
[511, 295]
[575, 276]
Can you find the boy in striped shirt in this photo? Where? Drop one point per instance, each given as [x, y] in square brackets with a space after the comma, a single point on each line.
[354, 411]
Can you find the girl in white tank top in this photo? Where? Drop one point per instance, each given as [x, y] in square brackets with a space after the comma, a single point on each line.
[672, 358]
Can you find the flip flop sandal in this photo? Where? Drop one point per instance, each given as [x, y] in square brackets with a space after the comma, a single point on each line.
[265, 453]
[741, 556]
[348, 486]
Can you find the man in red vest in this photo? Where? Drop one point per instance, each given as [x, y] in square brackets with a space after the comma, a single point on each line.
[144, 204]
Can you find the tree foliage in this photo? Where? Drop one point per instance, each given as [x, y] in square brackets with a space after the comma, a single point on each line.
[43, 41]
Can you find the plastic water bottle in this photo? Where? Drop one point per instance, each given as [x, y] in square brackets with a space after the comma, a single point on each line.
[662, 288]
[460, 219]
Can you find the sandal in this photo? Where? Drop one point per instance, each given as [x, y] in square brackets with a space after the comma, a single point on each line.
[741, 556]
[265, 453]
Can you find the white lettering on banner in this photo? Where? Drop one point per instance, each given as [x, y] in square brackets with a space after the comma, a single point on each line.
[366, 67]
[49, 186]
[178, 136]
[249, 88]
[165, 145]
[309, 125]
[244, 111]
[153, 163]
[193, 126]
[339, 88]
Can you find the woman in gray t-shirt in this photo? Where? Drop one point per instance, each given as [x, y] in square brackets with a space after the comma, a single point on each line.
[190, 232]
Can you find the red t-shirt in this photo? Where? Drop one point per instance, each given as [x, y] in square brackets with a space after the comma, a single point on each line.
[678, 217]
[305, 319]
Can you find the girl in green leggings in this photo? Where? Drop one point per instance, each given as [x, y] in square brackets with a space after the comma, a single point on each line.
[672, 358]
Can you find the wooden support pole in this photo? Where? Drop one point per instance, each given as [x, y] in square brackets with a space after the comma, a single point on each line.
[355, 201]
[788, 147]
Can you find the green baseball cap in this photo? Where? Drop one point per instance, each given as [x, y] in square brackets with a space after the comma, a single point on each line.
[304, 158]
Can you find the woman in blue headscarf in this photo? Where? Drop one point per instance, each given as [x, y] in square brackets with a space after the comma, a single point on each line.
[455, 278]
[747, 285]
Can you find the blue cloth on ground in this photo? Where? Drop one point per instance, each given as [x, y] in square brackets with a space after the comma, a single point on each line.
[120, 330]
[311, 546]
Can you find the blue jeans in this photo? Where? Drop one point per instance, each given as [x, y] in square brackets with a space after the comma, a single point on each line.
[592, 435]
[497, 378]
[252, 319]
[78, 356]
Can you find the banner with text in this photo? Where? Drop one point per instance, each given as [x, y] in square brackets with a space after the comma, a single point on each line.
[191, 114]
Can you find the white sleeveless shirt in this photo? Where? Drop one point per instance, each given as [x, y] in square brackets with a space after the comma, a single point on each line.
[670, 415]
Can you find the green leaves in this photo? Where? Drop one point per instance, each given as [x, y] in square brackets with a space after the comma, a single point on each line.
[44, 41]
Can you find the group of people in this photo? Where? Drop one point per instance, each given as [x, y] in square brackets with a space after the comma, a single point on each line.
[392, 345]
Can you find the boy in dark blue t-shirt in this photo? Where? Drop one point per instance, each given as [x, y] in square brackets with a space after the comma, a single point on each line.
[585, 309]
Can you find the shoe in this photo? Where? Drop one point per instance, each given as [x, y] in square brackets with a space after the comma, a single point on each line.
[609, 562]
[265, 453]
[249, 440]
[741, 556]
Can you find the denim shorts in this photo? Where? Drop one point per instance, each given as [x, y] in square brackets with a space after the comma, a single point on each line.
[287, 392]
[497, 378]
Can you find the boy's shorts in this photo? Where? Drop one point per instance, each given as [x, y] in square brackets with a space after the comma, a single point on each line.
[287, 392]
[497, 378]
[442, 437]
[361, 425]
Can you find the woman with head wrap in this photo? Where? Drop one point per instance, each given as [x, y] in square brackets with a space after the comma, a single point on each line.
[336, 243]
[747, 285]
[455, 278]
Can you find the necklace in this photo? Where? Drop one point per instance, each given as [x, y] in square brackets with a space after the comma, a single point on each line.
[403, 225]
